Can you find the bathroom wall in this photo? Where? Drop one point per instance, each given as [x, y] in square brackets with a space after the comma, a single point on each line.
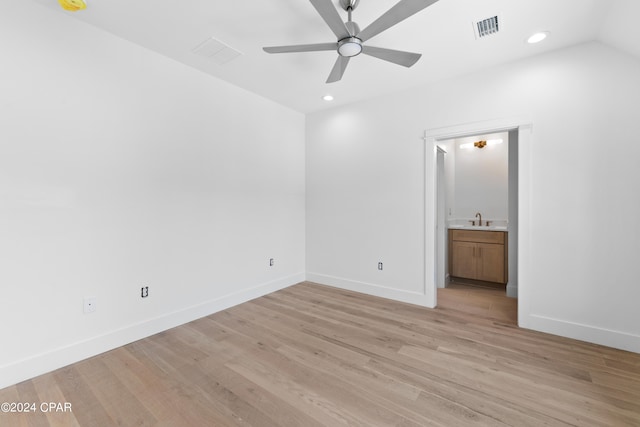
[480, 179]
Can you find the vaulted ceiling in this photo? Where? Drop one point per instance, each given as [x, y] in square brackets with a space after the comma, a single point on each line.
[443, 33]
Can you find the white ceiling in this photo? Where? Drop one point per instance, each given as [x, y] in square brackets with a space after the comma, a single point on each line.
[443, 33]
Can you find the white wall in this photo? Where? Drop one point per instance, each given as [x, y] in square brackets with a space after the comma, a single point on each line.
[365, 187]
[481, 179]
[620, 27]
[120, 168]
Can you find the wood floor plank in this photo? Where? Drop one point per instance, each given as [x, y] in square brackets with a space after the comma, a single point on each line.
[313, 355]
[27, 394]
[276, 411]
[293, 335]
[48, 391]
[277, 368]
[476, 400]
[89, 411]
[153, 391]
[11, 395]
[122, 405]
[530, 393]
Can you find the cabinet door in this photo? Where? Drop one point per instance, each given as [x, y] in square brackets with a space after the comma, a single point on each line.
[464, 259]
[491, 263]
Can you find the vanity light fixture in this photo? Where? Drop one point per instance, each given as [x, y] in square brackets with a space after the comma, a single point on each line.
[537, 37]
[481, 144]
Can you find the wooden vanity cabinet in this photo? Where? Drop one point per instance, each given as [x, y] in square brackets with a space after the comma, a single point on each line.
[478, 255]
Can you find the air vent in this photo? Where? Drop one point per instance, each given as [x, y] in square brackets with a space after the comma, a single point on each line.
[216, 51]
[487, 27]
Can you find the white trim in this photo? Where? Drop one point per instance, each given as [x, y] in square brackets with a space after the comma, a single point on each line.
[587, 333]
[430, 215]
[431, 138]
[479, 127]
[416, 298]
[525, 223]
[49, 361]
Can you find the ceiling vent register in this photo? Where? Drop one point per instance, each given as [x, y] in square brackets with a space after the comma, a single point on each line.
[216, 51]
[487, 27]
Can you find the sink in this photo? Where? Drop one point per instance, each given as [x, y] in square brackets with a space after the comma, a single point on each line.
[477, 227]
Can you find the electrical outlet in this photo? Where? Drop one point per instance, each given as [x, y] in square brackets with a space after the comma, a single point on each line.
[89, 304]
[380, 266]
[271, 262]
[144, 292]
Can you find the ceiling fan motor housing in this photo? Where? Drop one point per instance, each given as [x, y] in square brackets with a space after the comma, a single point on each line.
[353, 28]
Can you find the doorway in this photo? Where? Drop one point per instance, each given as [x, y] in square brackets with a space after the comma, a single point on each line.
[475, 180]
[518, 205]
[473, 173]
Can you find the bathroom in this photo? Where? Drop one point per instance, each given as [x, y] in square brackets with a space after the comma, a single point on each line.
[477, 211]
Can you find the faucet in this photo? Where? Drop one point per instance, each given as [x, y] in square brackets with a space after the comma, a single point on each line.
[479, 215]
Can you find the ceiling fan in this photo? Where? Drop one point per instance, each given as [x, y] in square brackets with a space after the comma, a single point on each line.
[351, 40]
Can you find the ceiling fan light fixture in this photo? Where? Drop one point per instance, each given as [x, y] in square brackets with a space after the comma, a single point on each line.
[351, 46]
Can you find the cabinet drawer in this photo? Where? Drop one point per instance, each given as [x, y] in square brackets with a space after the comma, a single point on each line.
[478, 236]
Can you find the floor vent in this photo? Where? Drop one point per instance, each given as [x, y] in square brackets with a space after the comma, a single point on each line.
[216, 51]
[487, 27]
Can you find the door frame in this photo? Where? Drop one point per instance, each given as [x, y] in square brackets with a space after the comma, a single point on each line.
[432, 136]
[441, 221]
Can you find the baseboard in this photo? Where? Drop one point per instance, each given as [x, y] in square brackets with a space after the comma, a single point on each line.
[591, 334]
[512, 290]
[369, 289]
[46, 362]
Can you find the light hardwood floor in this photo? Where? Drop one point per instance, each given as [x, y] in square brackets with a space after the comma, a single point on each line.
[484, 302]
[312, 355]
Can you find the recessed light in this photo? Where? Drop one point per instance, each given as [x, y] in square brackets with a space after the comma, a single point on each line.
[328, 98]
[537, 37]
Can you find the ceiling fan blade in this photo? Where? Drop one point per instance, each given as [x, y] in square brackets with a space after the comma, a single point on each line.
[338, 69]
[329, 13]
[401, 11]
[301, 48]
[406, 59]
